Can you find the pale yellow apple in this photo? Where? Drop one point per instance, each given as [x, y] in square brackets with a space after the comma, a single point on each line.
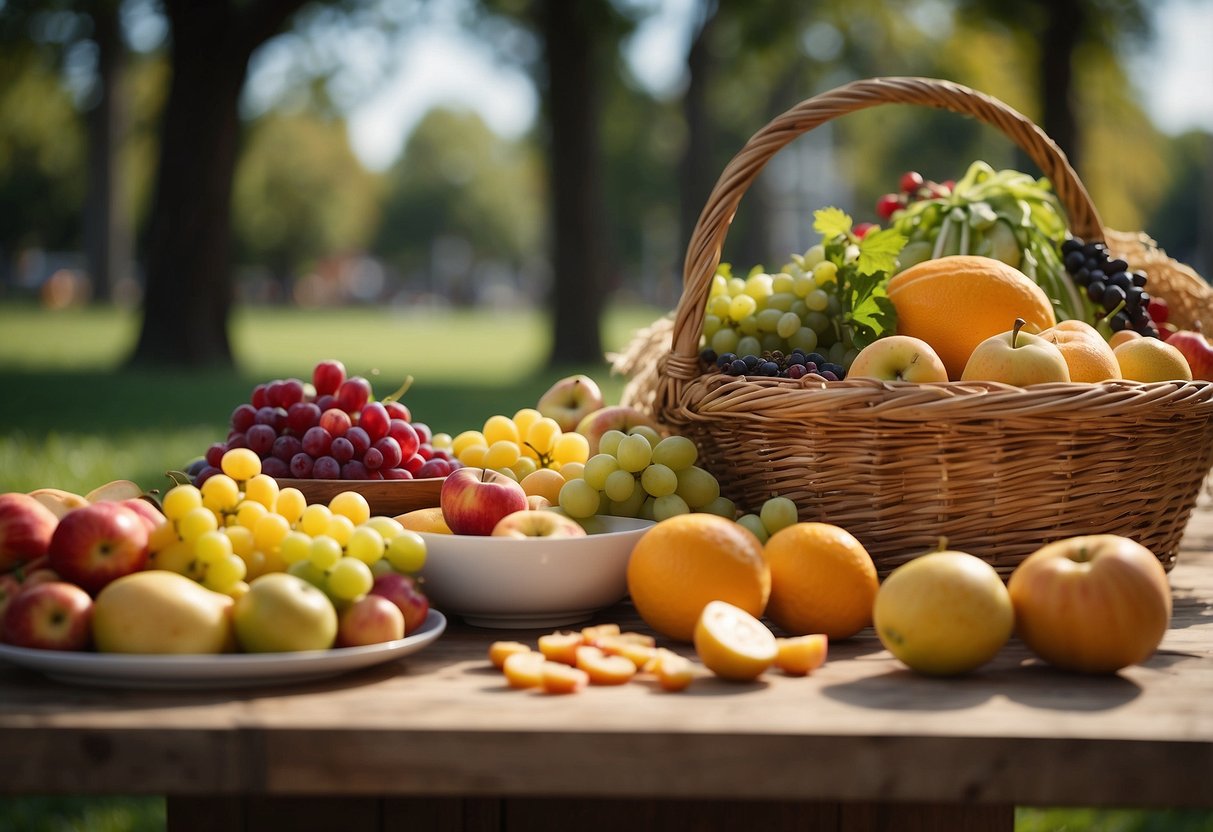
[614, 417]
[424, 520]
[537, 523]
[569, 400]
[1017, 358]
[157, 611]
[899, 358]
[283, 613]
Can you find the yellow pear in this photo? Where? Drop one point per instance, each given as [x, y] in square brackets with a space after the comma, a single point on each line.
[157, 611]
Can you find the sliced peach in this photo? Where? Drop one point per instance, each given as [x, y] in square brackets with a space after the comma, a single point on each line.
[524, 670]
[499, 651]
[603, 669]
[560, 678]
[674, 672]
[801, 655]
[592, 635]
[560, 647]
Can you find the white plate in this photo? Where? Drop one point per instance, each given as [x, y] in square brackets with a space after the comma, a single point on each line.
[234, 670]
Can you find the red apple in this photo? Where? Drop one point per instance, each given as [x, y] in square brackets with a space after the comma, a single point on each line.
[474, 499]
[50, 616]
[151, 516]
[614, 417]
[372, 619]
[403, 591]
[97, 544]
[531, 523]
[1196, 349]
[10, 586]
[570, 400]
[1093, 603]
[26, 526]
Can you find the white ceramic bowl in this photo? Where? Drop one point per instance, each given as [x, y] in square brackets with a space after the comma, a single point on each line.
[534, 582]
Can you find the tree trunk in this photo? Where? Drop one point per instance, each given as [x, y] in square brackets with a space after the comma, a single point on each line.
[697, 172]
[107, 233]
[188, 294]
[1063, 30]
[579, 250]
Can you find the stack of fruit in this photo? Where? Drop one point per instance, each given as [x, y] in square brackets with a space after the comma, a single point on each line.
[329, 429]
[962, 261]
[236, 563]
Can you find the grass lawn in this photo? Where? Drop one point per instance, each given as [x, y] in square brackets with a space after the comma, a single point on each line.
[70, 418]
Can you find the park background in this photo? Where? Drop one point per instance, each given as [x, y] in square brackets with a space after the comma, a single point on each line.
[484, 195]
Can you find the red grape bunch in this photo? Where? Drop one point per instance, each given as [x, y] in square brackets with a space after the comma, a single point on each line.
[329, 429]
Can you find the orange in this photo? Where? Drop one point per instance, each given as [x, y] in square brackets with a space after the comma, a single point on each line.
[954, 303]
[1088, 356]
[1152, 359]
[822, 581]
[1119, 338]
[732, 643]
[681, 564]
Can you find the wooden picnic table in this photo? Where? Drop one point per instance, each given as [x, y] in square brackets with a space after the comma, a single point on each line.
[437, 741]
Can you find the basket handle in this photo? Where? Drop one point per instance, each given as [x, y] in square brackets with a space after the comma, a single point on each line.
[703, 251]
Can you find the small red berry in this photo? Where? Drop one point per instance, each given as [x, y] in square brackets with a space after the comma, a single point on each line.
[911, 181]
[887, 204]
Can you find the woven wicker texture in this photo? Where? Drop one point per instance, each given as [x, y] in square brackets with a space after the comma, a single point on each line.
[998, 470]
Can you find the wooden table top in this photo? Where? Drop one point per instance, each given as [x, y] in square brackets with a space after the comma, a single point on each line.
[443, 722]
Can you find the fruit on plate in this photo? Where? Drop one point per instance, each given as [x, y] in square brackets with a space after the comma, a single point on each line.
[97, 544]
[1018, 358]
[1152, 359]
[55, 615]
[954, 303]
[26, 528]
[60, 502]
[1089, 357]
[372, 619]
[1093, 603]
[156, 611]
[1196, 349]
[822, 581]
[681, 564]
[425, 520]
[732, 643]
[475, 499]
[801, 655]
[612, 417]
[532, 523]
[570, 400]
[943, 613]
[898, 358]
[406, 594]
[284, 613]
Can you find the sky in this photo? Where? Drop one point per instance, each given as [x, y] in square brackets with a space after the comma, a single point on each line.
[443, 66]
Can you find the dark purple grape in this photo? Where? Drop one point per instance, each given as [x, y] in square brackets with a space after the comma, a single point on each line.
[317, 441]
[1117, 265]
[738, 368]
[1095, 290]
[1113, 296]
[829, 376]
[726, 359]
[326, 468]
[708, 356]
[244, 417]
[816, 358]
[360, 439]
[342, 450]
[1071, 244]
[301, 466]
[354, 470]
[752, 361]
[285, 447]
[1074, 260]
[796, 371]
[275, 467]
[261, 439]
[768, 368]
[1137, 279]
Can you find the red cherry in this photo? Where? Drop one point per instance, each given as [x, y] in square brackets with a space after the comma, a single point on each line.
[911, 181]
[862, 229]
[887, 204]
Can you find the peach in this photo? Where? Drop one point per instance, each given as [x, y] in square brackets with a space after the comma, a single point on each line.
[544, 482]
[499, 651]
[560, 678]
[592, 635]
[560, 647]
[524, 670]
[801, 655]
[603, 669]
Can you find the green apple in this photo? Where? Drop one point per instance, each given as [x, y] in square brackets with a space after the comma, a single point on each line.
[283, 613]
[157, 611]
[1017, 358]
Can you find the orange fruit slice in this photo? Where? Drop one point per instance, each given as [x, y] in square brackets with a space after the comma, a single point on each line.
[801, 655]
[732, 643]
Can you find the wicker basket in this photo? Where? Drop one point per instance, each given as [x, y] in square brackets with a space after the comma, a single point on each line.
[998, 470]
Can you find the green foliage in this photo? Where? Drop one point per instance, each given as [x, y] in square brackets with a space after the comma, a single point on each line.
[458, 179]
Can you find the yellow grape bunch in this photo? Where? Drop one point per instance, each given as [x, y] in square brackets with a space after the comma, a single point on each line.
[238, 525]
[520, 445]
